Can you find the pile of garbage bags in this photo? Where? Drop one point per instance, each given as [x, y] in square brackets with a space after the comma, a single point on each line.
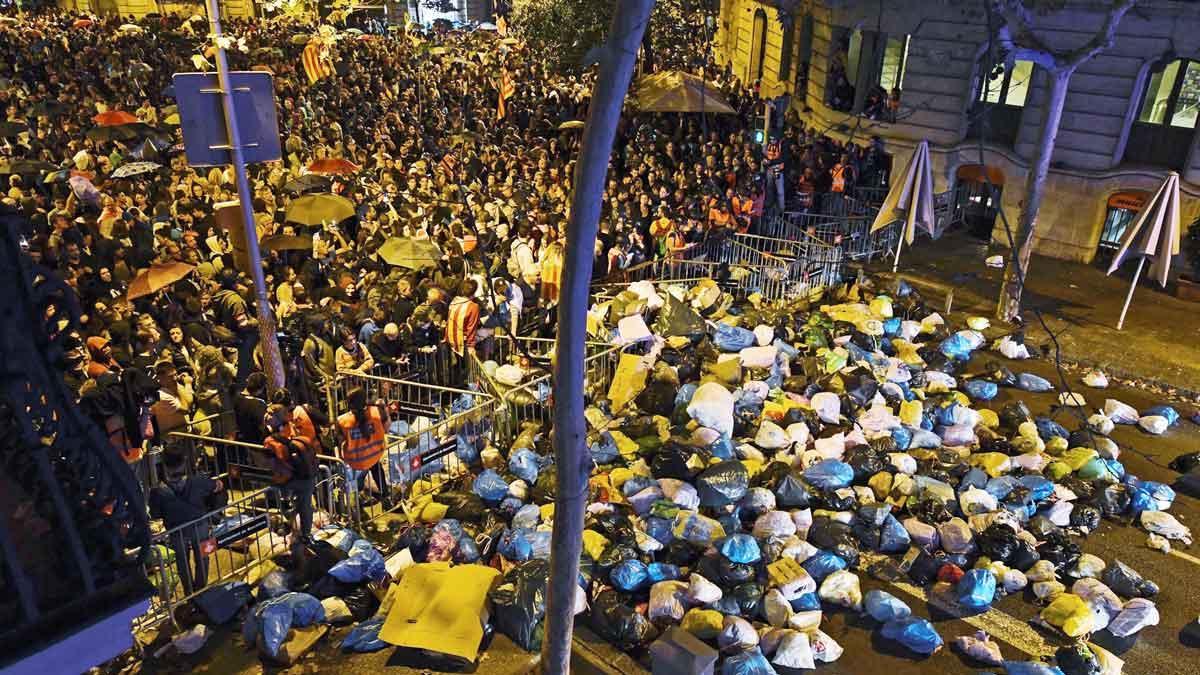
[753, 461]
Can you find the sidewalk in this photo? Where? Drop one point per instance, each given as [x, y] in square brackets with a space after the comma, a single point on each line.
[1160, 341]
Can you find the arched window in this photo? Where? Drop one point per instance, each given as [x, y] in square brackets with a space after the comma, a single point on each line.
[758, 45]
[1161, 133]
[999, 100]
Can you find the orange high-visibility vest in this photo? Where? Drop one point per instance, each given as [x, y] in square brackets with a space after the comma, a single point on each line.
[362, 451]
[839, 178]
[302, 424]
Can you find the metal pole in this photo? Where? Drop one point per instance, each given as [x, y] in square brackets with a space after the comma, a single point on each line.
[1128, 298]
[272, 363]
[616, 61]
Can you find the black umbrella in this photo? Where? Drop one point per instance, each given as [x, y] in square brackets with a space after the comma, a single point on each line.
[124, 132]
[307, 183]
[47, 107]
[149, 149]
[26, 167]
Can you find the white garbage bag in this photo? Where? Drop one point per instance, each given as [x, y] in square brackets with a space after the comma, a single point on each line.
[824, 648]
[1088, 567]
[1165, 524]
[827, 405]
[712, 406]
[509, 374]
[1011, 349]
[776, 608]
[1120, 413]
[1095, 379]
[973, 501]
[799, 434]
[1154, 424]
[1101, 424]
[736, 634]
[842, 588]
[764, 335]
[336, 610]
[794, 651]
[667, 601]
[805, 621]
[774, 524]
[701, 591]
[980, 647]
[771, 436]
[1137, 614]
[758, 357]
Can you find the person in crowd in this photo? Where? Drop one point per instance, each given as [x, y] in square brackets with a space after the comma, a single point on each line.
[183, 501]
[293, 460]
[363, 442]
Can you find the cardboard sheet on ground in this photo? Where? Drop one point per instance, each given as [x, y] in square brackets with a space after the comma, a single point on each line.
[629, 380]
[676, 318]
[440, 608]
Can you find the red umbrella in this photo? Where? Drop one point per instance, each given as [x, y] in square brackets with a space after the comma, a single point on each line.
[333, 166]
[114, 118]
[81, 23]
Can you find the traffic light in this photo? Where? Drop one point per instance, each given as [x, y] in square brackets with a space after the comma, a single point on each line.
[762, 122]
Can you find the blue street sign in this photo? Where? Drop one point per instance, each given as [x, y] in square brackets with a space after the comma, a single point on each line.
[205, 139]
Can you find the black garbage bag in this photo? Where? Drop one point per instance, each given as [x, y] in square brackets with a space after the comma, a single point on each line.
[680, 553]
[748, 597]
[619, 623]
[461, 505]
[877, 529]
[615, 526]
[883, 445]
[324, 556]
[836, 537]
[1041, 527]
[1084, 517]
[723, 484]
[519, 603]
[1084, 490]
[936, 360]
[361, 602]
[770, 476]
[1013, 414]
[791, 492]
[1112, 500]
[932, 510]
[1059, 550]
[1186, 462]
[487, 537]
[416, 540]
[222, 603]
[795, 384]
[614, 555]
[1077, 659]
[329, 587]
[1126, 581]
[732, 574]
[671, 462]
[997, 542]
[998, 373]
[861, 389]
[1024, 555]
[997, 444]
[546, 486]
[727, 605]
[658, 398]
[831, 500]
[920, 566]
[865, 462]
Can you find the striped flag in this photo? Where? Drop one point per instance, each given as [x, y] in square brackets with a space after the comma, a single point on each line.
[501, 26]
[507, 89]
[449, 163]
[317, 63]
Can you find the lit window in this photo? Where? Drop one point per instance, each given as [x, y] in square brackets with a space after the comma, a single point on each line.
[895, 58]
[1010, 88]
[1173, 96]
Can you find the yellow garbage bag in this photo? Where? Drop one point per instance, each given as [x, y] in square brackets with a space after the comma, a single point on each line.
[911, 412]
[1070, 614]
[1057, 471]
[628, 382]
[961, 398]
[1077, 457]
[618, 477]
[434, 512]
[1057, 445]
[995, 464]
[594, 544]
[988, 418]
[547, 511]
[703, 623]
[881, 307]
[907, 352]
[728, 371]
[880, 484]
[753, 467]
[625, 445]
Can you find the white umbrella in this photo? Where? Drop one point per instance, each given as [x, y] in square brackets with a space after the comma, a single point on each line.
[134, 169]
[910, 199]
[486, 26]
[1155, 235]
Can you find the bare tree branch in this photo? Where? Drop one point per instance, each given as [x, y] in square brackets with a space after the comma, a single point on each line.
[1015, 37]
[1105, 38]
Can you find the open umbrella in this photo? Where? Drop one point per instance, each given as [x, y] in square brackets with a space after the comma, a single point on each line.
[333, 166]
[25, 167]
[319, 208]
[410, 253]
[81, 23]
[910, 199]
[309, 182]
[12, 128]
[135, 169]
[114, 118]
[286, 242]
[124, 132]
[488, 26]
[130, 28]
[157, 277]
[573, 124]
[1154, 235]
[677, 91]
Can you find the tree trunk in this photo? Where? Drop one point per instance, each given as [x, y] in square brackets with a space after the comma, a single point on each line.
[616, 63]
[1009, 306]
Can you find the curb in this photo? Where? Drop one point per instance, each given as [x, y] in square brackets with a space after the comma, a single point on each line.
[590, 655]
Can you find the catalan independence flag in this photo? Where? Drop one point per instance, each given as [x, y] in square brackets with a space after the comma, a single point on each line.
[317, 62]
[507, 89]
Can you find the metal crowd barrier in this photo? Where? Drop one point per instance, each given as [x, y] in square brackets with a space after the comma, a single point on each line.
[532, 402]
[224, 544]
[849, 233]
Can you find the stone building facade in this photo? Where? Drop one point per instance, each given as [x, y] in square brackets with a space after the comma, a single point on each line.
[1130, 114]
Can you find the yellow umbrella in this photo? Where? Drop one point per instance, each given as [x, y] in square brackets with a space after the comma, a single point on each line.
[172, 119]
[412, 253]
[573, 124]
[157, 277]
[319, 208]
[677, 91]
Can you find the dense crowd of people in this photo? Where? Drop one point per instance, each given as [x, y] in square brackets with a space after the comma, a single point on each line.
[425, 158]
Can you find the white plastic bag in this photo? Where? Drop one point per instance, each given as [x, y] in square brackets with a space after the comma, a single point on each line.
[1120, 413]
[336, 611]
[1165, 524]
[842, 588]
[758, 357]
[1154, 424]
[980, 647]
[666, 601]
[974, 501]
[805, 621]
[1137, 614]
[827, 405]
[774, 524]
[1088, 567]
[776, 608]
[956, 536]
[1011, 349]
[701, 591]
[736, 634]
[1095, 379]
[712, 406]
[1100, 424]
[794, 651]
[764, 335]
[771, 436]
[824, 648]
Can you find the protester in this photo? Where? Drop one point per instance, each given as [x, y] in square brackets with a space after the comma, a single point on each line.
[182, 503]
[293, 459]
[363, 441]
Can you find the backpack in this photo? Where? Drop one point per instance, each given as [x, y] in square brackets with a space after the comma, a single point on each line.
[301, 456]
[514, 265]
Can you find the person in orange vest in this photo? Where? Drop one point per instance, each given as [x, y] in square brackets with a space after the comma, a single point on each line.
[842, 175]
[363, 442]
[306, 420]
[293, 459]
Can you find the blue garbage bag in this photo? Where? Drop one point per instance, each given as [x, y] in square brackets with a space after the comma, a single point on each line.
[659, 529]
[527, 518]
[491, 487]
[509, 507]
[637, 484]
[822, 564]
[806, 603]
[829, 474]
[1039, 487]
[980, 390]
[274, 618]
[274, 584]
[893, 538]
[924, 439]
[685, 393]
[999, 487]
[468, 550]
[956, 347]
[884, 607]
[524, 465]
[1031, 382]
[974, 478]
[722, 448]
[516, 545]
[364, 638]
[1171, 415]
[740, 548]
[364, 563]
[891, 326]
[732, 338]
[629, 576]
[976, 590]
[539, 543]
[1146, 495]
[944, 414]
[604, 450]
[1048, 428]
[749, 662]
[1030, 668]
[658, 571]
[466, 448]
[903, 437]
[917, 634]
